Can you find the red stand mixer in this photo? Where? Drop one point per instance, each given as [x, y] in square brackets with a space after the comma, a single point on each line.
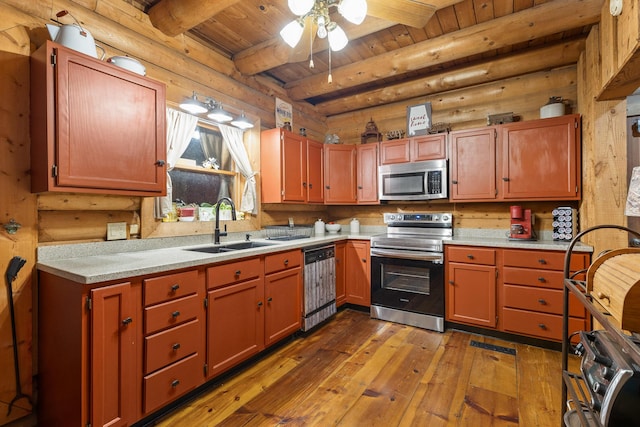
[521, 224]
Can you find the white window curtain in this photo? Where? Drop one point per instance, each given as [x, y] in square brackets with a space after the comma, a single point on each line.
[233, 138]
[180, 128]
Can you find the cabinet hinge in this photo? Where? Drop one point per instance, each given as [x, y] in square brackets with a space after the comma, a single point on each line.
[53, 59]
[88, 303]
[206, 302]
[205, 369]
[282, 193]
[495, 135]
[87, 425]
[495, 191]
[54, 171]
[576, 189]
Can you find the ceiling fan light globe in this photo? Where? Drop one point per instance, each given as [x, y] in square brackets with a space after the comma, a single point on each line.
[353, 11]
[292, 33]
[337, 39]
[300, 7]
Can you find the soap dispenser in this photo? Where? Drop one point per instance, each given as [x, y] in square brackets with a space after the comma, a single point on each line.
[319, 227]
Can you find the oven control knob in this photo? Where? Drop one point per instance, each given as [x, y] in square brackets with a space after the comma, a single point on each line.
[599, 388]
[607, 373]
[445, 218]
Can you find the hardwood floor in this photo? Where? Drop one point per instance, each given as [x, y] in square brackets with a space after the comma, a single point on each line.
[357, 371]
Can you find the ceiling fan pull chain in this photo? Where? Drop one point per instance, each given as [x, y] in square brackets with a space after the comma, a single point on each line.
[311, 49]
[329, 77]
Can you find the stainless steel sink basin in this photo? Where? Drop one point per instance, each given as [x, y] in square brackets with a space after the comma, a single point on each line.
[229, 247]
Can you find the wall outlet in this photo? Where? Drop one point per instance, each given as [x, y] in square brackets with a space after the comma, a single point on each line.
[134, 229]
[116, 230]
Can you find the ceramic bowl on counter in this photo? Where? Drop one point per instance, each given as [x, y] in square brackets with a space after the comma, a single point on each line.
[332, 228]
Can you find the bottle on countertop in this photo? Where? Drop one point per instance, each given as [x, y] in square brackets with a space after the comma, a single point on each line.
[319, 227]
[354, 226]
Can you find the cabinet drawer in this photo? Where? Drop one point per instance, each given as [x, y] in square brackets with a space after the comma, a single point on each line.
[533, 277]
[540, 299]
[172, 382]
[281, 261]
[547, 260]
[470, 255]
[171, 286]
[166, 347]
[541, 325]
[171, 313]
[233, 272]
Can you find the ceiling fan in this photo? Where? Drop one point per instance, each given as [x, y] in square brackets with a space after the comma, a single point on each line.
[314, 20]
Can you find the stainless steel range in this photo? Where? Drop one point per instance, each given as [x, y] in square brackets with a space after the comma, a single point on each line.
[407, 269]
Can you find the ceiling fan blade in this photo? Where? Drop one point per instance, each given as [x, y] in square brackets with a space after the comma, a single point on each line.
[303, 48]
[413, 13]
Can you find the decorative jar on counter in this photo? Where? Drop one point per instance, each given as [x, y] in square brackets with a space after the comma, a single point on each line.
[354, 226]
[319, 227]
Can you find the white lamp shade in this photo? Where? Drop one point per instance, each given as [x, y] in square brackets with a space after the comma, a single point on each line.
[292, 33]
[633, 197]
[219, 115]
[193, 106]
[300, 7]
[337, 39]
[242, 122]
[353, 11]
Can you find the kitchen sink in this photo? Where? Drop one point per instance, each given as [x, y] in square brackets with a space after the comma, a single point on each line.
[230, 247]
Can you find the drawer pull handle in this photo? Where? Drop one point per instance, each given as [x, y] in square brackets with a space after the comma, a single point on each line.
[542, 301]
[175, 383]
[542, 261]
[127, 320]
[542, 279]
[174, 288]
[470, 256]
[286, 262]
[603, 296]
[237, 272]
[176, 346]
[175, 314]
[451, 282]
[542, 326]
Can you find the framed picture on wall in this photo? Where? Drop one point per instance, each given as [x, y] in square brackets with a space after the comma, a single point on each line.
[418, 119]
[284, 114]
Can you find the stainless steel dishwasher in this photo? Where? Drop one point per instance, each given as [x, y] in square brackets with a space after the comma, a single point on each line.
[319, 285]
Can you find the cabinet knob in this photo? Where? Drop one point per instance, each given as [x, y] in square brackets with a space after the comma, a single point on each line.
[176, 346]
[304, 184]
[359, 187]
[470, 256]
[542, 261]
[160, 163]
[451, 282]
[127, 320]
[542, 279]
[310, 185]
[286, 262]
[542, 301]
[175, 383]
[364, 260]
[237, 272]
[260, 304]
[175, 287]
[542, 326]
[175, 314]
[505, 179]
[269, 299]
[454, 181]
[328, 187]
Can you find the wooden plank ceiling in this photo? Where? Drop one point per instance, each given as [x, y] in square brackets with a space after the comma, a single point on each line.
[388, 49]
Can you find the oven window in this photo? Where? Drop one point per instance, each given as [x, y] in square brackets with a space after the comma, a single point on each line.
[405, 278]
[403, 184]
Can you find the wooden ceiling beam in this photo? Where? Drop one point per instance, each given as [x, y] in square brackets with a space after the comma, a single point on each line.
[174, 17]
[542, 20]
[414, 13]
[541, 59]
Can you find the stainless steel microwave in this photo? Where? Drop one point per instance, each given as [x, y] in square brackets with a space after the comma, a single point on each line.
[427, 180]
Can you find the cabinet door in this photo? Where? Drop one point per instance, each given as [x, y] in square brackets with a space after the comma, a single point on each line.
[395, 151]
[110, 127]
[540, 159]
[473, 164]
[294, 164]
[471, 294]
[235, 324]
[340, 174]
[358, 273]
[341, 292]
[113, 356]
[283, 299]
[428, 147]
[315, 164]
[367, 180]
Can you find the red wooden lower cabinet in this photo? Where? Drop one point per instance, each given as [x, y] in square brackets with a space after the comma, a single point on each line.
[358, 272]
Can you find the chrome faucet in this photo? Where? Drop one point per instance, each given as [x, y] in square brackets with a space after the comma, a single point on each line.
[217, 233]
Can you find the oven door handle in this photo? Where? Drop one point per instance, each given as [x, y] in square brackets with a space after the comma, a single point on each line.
[421, 256]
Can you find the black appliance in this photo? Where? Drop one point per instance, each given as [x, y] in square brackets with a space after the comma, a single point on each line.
[407, 269]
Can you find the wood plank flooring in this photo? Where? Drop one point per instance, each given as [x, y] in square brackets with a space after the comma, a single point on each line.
[357, 371]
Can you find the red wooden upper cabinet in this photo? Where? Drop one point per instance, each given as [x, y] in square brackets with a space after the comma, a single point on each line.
[415, 149]
[95, 128]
